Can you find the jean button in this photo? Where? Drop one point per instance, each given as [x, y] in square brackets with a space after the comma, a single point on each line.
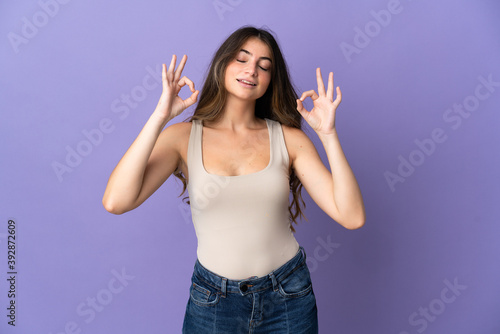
[244, 288]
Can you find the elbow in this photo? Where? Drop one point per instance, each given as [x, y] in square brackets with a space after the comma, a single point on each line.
[354, 225]
[351, 219]
[112, 207]
[355, 222]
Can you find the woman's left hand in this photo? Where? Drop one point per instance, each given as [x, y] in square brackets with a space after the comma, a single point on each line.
[322, 116]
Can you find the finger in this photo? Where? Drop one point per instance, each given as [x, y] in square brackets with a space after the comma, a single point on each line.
[179, 69]
[163, 72]
[310, 93]
[329, 93]
[339, 96]
[186, 81]
[182, 82]
[192, 99]
[172, 64]
[300, 108]
[321, 85]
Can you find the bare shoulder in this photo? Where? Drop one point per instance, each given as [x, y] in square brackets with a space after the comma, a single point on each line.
[180, 127]
[295, 137]
[174, 139]
[296, 140]
[293, 132]
[178, 131]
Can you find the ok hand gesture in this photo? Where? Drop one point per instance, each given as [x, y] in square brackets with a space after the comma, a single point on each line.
[170, 104]
[322, 117]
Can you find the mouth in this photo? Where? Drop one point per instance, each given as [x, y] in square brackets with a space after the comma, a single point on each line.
[246, 82]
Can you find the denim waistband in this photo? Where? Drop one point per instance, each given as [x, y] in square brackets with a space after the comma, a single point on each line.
[251, 284]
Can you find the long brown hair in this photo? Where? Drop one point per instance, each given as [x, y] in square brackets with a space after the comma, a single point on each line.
[278, 103]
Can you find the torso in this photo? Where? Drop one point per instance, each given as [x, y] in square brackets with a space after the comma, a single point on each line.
[237, 210]
[226, 153]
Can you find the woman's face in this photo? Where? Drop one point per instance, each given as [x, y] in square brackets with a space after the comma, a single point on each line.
[249, 74]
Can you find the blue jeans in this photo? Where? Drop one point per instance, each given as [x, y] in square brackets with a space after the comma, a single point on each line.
[281, 302]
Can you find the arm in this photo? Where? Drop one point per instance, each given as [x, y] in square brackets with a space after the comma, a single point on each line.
[336, 192]
[153, 155]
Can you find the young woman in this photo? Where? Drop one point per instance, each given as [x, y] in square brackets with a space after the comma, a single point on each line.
[239, 156]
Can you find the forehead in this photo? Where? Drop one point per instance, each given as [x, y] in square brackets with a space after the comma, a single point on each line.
[257, 48]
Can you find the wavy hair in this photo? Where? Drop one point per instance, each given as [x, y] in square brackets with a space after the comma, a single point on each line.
[279, 102]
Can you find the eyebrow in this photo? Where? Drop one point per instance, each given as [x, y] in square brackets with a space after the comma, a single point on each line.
[248, 52]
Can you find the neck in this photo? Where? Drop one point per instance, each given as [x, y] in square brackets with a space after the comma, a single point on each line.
[238, 115]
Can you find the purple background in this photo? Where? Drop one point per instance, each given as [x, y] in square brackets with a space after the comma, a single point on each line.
[437, 228]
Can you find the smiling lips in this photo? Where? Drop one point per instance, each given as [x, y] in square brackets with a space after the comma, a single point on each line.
[246, 82]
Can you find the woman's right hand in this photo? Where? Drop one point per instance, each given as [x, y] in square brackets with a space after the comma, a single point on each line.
[170, 104]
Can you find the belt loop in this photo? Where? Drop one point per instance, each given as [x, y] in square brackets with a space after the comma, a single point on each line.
[223, 287]
[273, 279]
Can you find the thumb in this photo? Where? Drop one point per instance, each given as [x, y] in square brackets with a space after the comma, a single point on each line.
[192, 99]
[300, 108]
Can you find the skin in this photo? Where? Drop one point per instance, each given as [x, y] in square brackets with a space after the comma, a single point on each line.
[155, 154]
[238, 143]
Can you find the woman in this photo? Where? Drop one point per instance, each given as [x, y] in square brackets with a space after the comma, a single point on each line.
[239, 156]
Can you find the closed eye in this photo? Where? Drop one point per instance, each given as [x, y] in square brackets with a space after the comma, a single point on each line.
[262, 68]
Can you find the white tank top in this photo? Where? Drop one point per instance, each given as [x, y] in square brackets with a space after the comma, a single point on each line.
[242, 222]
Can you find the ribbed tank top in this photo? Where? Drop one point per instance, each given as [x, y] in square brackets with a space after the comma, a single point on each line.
[241, 222]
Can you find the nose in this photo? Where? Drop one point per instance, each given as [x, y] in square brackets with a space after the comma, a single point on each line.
[251, 68]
